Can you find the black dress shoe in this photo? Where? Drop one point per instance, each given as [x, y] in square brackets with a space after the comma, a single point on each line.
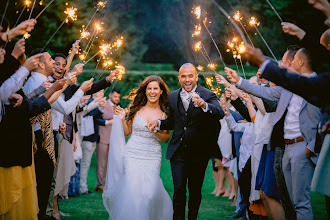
[236, 215]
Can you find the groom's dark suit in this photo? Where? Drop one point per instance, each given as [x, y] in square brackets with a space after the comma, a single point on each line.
[194, 140]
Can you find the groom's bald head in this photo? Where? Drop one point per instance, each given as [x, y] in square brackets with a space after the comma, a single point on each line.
[188, 66]
[188, 76]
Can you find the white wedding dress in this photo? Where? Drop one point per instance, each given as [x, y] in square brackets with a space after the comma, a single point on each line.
[133, 188]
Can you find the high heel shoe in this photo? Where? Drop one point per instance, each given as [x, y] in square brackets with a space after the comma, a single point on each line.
[220, 193]
[231, 196]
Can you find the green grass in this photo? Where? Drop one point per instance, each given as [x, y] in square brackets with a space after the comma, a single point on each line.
[91, 207]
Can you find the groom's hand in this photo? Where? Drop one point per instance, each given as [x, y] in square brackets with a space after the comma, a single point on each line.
[152, 125]
[198, 101]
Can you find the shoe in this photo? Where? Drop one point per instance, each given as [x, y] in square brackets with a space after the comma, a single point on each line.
[243, 218]
[64, 214]
[88, 193]
[98, 190]
[236, 215]
[220, 193]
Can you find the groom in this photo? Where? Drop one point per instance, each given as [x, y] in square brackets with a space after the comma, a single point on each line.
[196, 126]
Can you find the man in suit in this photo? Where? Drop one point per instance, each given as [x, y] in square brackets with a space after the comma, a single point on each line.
[102, 148]
[195, 121]
[295, 128]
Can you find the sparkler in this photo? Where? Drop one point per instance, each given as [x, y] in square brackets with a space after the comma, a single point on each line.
[84, 34]
[198, 46]
[253, 22]
[237, 17]
[44, 8]
[212, 66]
[279, 17]
[197, 31]
[26, 35]
[4, 13]
[197, 11]
[27, 3]
[200, 68]
[216, 46]
[100, 4]
[34, 2]
[71, 13]
[231, 20]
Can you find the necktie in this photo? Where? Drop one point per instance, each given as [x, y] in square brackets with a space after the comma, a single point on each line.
[185, 101]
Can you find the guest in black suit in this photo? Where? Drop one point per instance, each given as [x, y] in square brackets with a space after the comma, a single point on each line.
[195, 121]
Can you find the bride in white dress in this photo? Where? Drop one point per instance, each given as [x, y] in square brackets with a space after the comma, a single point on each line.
[133, 188]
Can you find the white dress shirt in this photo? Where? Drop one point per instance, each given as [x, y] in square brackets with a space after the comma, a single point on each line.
[11, 85]
[248, 139]
[291, 122]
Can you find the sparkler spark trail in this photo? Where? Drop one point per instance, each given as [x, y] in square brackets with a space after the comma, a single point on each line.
[253, 22]
[200, 68]
[197, 11]
[237, 17]
[70, 14]
[26, 35]
[198, 46]
[279, 17]
[197, 31]
[216, 46]
[100, 4]
[44, 9]
[231, 20]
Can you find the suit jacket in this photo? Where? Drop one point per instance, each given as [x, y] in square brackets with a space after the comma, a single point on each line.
[309, 116]
[105, 131]
[16, 132]
[194, 130]
[314, 89]
[68, 93]
[97, 114]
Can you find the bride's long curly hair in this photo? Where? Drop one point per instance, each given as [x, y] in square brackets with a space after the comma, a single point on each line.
[141, 99]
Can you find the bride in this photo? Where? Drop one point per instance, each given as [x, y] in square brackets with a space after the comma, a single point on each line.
[133, 188]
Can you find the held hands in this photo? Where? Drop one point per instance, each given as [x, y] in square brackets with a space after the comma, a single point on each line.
[293, 29]
[152, 126]
[221, 80]
[87, 85]
[15, 100]
[113, 75]
[254, 56]
[232, 75]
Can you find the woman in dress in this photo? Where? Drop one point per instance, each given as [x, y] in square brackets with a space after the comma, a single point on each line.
[137, 192]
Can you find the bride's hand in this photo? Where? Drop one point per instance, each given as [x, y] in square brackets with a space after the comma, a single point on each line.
[121, 112]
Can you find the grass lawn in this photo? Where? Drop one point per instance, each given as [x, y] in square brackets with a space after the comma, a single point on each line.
[91, 207]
